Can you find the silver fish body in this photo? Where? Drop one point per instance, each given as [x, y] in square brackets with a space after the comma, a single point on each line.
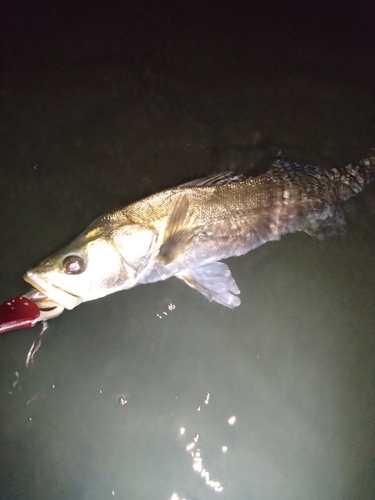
[186, 231]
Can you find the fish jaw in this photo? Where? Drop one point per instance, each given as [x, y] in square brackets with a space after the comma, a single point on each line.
[55, 293]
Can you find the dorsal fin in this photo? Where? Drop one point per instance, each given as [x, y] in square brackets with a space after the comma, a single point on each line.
[220, 179]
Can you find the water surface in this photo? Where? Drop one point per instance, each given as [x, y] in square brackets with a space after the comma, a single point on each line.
[155, 392]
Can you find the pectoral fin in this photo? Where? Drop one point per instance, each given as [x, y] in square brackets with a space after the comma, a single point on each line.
[177, 236]
[214, 281]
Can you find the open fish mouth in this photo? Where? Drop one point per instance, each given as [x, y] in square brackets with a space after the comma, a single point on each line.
[53, 292]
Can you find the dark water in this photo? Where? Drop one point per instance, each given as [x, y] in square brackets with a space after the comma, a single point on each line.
[102, 105]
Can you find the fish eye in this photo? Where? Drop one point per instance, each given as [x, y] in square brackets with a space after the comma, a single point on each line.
[73, 264]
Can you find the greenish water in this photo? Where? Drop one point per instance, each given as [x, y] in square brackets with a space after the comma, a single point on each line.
[102, 107]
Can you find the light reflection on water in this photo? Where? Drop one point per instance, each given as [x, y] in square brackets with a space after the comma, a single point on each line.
[197, 451]
[171, 307]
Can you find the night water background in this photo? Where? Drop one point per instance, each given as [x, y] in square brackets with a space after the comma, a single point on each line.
[104, 103]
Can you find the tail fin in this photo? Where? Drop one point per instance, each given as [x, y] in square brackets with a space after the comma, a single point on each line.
[352, 179]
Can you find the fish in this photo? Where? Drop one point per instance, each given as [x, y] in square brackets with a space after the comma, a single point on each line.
[187, 231]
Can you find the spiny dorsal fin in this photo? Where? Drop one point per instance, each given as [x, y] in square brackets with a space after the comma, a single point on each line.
[177, 236]
[220, 179]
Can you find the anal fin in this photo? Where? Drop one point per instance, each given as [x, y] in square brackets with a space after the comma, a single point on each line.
[215, 281]
[331, 226]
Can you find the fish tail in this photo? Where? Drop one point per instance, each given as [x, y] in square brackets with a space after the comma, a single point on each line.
[352, 179]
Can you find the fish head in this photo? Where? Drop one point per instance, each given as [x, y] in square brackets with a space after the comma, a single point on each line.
[97, 263]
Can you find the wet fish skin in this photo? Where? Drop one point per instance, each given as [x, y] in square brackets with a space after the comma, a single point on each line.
[186, 231]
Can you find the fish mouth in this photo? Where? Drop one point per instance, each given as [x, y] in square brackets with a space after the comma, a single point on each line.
[62, 297]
